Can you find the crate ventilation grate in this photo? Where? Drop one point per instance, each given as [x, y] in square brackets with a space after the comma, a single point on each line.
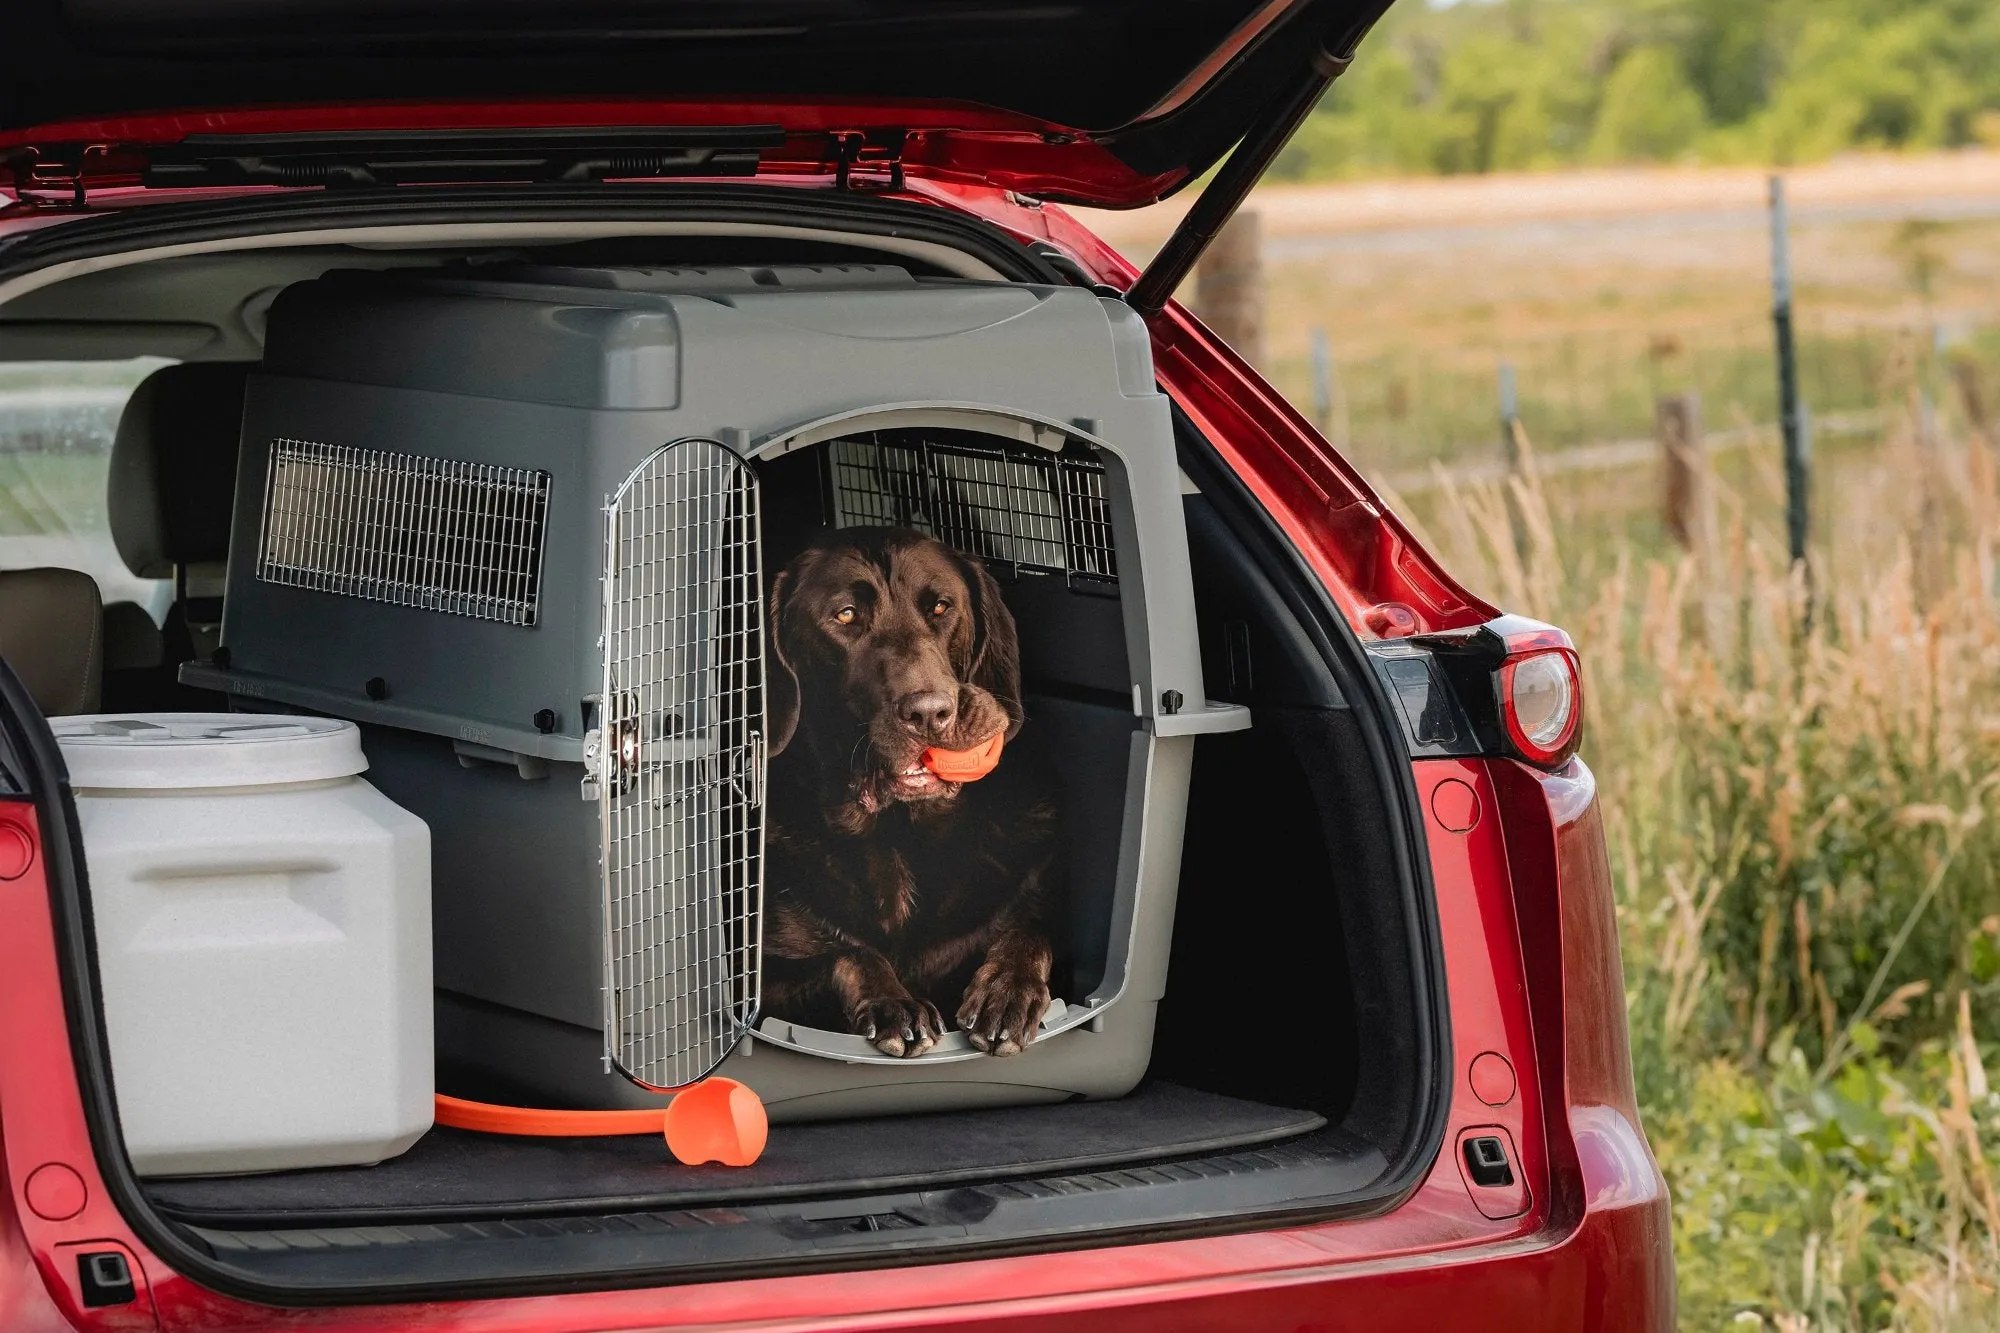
[679, 763]
[1020, 507]
[435, 533]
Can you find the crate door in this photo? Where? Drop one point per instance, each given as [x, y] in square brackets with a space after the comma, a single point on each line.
[680, 763]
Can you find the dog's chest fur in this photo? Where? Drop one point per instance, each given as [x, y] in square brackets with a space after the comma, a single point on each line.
[926, 887]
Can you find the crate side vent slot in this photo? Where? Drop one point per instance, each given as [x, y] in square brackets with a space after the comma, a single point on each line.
[438, 534]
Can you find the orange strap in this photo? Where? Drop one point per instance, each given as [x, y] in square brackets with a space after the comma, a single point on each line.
[487, 1118]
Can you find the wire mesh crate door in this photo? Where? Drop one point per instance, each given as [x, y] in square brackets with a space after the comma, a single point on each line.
[682, 763]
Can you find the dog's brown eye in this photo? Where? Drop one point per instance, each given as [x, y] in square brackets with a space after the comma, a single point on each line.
[844, 616]
[940, 606]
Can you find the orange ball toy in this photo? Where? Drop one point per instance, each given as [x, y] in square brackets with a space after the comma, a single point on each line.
[716, 1120]
[966, 765]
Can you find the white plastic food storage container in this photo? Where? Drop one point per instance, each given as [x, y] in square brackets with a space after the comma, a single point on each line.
[263, 927]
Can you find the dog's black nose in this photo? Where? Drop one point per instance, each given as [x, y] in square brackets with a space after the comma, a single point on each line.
[927, 712]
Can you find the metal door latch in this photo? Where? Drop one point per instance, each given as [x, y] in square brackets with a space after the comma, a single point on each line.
[593, 760]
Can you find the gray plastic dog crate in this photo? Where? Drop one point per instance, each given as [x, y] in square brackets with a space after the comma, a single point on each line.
[518, 523]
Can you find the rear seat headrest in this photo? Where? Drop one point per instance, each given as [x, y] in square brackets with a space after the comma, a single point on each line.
[173, 467]
[50, 634]
[132, 639]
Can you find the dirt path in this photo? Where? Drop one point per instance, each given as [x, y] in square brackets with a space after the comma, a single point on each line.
[1965, 183]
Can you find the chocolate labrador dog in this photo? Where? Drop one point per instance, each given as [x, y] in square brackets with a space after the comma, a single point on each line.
[894, 896]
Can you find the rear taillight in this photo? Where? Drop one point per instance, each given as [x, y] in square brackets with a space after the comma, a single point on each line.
[1510, 688]
[1541, 703]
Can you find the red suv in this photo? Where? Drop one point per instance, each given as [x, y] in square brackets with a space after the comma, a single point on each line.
[1395, 910]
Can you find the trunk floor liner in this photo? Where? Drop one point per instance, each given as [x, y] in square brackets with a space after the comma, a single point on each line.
[456, 1174]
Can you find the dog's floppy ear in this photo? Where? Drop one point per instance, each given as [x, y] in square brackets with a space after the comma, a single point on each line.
[781, 682]
[996, 645]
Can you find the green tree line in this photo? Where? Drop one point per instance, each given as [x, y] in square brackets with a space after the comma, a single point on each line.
[1501, 85]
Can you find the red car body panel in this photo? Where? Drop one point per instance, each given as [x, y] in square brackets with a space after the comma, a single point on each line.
[1525, 907]
[957, 143]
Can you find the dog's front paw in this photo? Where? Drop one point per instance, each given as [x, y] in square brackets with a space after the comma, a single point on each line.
[1003, 1008]
[898, 1024]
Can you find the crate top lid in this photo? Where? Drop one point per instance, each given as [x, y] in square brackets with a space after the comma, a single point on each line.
[185, 751]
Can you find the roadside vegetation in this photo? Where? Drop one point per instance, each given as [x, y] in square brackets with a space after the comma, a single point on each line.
[1800, 775]
[1802, 789]
[1505, 85]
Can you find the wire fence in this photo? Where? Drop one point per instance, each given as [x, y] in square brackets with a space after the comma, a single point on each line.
[1400, 409]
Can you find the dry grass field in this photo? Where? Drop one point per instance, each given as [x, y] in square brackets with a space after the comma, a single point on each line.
[1800, 780]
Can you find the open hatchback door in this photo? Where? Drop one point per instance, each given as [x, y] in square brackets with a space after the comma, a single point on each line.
[1112, 103]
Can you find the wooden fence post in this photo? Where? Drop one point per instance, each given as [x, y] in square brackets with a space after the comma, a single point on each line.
[1965, 376]
[1688, 506]
[1510, 417]
[1229, 286]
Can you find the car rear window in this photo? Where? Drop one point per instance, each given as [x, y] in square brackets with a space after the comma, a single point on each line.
[57, 423]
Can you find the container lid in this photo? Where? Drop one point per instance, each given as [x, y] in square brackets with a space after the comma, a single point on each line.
[192, 750]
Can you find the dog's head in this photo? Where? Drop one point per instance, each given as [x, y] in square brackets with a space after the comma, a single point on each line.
[885, 643]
